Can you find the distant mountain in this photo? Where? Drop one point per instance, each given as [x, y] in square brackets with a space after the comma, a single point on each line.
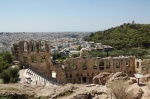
[124, 36]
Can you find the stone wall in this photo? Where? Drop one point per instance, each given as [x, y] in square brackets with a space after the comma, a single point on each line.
[82, 70]
[36, 55]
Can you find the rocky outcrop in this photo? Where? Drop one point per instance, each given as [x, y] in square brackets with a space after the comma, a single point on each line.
[68, 91]
[146, 78]
[83, 96]
[94, 94]
[119, 76]
[101, 78]
[104, 77]
[136, 91]
[132, 80]
[13, 95]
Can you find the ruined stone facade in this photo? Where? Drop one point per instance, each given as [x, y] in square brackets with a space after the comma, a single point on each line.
[82, 70]
[36, 55]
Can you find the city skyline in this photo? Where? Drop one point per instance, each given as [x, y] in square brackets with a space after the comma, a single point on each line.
[70, 16]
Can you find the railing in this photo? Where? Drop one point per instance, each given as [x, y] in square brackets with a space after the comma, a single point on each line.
[46, 79]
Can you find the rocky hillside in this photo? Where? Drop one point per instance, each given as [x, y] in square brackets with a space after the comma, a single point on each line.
[124, 36]
[69, 91]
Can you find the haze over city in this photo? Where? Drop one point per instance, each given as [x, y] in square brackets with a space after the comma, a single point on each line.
[70, 15]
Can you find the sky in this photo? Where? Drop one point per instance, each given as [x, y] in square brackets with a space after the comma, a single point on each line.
[70, 15]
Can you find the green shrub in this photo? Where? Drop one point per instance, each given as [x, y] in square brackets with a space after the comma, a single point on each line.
[10, 75]
[7, 57]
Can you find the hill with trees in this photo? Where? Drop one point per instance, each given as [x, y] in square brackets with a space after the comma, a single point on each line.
[124, 36]
[127, 39]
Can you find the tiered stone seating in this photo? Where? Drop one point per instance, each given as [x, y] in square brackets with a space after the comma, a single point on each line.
[35, 78]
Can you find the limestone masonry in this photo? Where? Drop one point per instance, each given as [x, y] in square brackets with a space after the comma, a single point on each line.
[36, 55]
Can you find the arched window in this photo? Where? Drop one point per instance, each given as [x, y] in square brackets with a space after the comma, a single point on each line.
[95, 65]
[33, 46]
[42, 46]
[137, 64]
[25, 59]
[43, 58]
[84, 66]
[107, 64]
[25, 46]
[127, 62]
[117, 63]
[101, 65]
[33, 58]
[54, 75]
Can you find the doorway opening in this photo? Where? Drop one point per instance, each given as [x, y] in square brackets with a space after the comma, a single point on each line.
[84, 79]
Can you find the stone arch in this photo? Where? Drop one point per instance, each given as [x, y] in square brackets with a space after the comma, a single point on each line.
[137, 64]
[117, 64]
[33, 58]
[54, 74]
[127, 62]
[43, 58]
[42, 45]
[101, 65]
[33, 46]
[25, 59]
[95, 65]
[107, 63]
[84, 79]
[25, 46]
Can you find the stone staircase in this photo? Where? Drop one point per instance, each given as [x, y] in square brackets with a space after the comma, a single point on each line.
[35, 78]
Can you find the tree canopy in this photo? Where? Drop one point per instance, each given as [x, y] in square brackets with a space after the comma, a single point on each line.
[124, 36]
[7, 73]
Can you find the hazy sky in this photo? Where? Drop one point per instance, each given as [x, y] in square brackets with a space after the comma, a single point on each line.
[70, 15]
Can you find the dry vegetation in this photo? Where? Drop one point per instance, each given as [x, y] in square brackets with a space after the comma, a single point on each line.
[119, 90]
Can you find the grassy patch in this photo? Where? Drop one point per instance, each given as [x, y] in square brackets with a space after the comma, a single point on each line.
[5, 97]
[65, 93]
